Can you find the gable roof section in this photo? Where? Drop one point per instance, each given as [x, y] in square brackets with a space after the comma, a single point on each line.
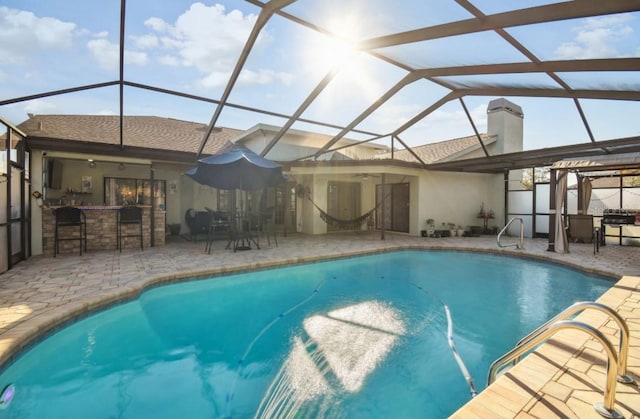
[310, 138]
[150, 132]
[442, 151]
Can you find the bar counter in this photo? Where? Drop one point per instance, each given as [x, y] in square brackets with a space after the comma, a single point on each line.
[101, 229]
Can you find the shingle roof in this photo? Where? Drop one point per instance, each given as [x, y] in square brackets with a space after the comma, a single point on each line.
[159, 133]
[435, 152]
[151, 132]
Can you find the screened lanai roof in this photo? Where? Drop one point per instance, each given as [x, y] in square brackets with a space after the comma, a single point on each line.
[405, 73]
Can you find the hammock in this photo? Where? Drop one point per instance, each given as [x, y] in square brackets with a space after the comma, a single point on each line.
[352, 224]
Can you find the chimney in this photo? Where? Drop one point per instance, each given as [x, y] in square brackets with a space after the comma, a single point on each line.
[505, 122]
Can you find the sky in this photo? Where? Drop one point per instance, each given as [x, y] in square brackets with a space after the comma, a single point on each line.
[192, 47]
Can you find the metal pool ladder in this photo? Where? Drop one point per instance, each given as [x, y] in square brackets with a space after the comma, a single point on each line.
[520, 244]
[616, 363]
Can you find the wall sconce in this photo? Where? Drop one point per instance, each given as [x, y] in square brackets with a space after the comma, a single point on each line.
[38, 196]
[121, 166]
[92, 164]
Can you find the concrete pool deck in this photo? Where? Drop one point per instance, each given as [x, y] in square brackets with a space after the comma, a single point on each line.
[561, 379]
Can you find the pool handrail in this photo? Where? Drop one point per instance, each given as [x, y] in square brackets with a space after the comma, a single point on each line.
[623, 354]
[520, 243]
[607, 408]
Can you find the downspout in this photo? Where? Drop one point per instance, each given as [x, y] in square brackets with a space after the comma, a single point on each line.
[152, 212]
[552, 211]
[382, 208]
[506, 196]
[8, 203]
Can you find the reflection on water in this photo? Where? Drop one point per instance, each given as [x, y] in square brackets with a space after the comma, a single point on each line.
[336, 354]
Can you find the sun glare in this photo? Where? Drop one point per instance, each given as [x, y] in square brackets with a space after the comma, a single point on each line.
[324, 52]
[341, 55]
[13, 314]
[335, 354]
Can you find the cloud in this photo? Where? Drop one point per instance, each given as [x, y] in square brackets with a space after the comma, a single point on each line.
[157, 24]
[395, 115]
[107, 54]
[598, 38]
[145, 41]
[440, 125]
[40, 106]
[264, 77]
[446, 124]
[211, 39]
[214, 79]
[135, 58]
[247, 77]
[169, 60]
[23, 34]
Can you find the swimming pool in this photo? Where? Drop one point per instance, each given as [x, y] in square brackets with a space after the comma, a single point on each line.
[357, 337]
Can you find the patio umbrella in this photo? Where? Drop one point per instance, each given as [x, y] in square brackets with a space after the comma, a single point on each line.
[238, 168]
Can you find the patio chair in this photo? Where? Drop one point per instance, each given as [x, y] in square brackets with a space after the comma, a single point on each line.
[218, 226]
[581, 228]
[198, 223]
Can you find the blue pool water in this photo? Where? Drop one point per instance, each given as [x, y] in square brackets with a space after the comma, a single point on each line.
[353, 338]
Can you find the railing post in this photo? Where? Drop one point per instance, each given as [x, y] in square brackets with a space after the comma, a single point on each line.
[623, 353]
[519, 245]
[607, 408]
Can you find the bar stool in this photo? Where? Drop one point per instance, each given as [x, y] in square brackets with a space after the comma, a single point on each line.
[129, 216]
[67, 218]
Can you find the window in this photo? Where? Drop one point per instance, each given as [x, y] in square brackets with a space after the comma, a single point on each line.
[343, 201]
[127, 191]
[224, 200]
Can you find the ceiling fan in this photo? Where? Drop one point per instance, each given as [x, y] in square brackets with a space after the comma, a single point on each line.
[365, 176]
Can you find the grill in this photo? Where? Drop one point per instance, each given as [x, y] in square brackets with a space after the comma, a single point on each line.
[621, 216]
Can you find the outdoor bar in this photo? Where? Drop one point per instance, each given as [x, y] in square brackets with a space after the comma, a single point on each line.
[101, 229]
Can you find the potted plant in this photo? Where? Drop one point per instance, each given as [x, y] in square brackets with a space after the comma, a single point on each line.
[486, 215]
[430, 225]
[444, 230]
[452, 229]
[460, 231]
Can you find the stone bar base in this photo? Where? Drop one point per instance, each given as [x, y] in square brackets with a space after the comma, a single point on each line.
[102, 230]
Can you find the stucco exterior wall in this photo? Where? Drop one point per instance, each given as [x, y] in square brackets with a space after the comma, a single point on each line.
[172, 175]
[456, 197]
